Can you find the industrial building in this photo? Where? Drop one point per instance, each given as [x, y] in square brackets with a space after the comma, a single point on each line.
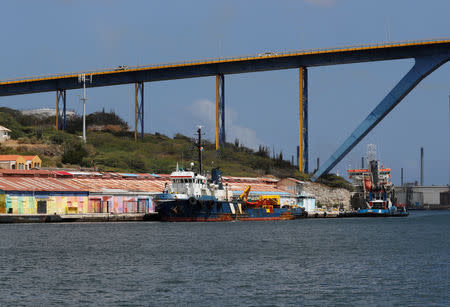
[421, 197]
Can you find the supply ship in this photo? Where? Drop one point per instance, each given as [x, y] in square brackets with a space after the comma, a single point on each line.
[193, 197]
[374, 190]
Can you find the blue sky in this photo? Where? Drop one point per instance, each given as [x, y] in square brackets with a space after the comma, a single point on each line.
[47, 37]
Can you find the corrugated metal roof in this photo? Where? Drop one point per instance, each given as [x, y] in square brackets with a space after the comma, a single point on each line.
[44, 180]
[263, 193]
[128, 175]
[100, 185]
[28, 184]
[240, 186]
[23, 172]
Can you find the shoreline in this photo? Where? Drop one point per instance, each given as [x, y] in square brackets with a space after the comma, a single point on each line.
[140, 217]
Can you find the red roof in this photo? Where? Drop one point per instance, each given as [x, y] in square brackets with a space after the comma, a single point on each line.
[45, 180]
[23, 172]
[8, 157]
[37, 184]
[366, 170]
[29, 157]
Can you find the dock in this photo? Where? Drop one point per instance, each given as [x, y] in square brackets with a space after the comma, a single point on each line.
[69, 218]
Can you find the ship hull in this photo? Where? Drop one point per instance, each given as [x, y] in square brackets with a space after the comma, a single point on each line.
[217, 211]
[381, 213]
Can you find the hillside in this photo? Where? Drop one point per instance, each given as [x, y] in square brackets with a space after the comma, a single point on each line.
[112, 148]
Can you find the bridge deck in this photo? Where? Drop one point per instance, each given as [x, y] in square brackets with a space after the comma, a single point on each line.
[235, 65]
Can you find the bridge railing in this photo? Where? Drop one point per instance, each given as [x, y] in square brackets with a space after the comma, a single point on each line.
[263, 55]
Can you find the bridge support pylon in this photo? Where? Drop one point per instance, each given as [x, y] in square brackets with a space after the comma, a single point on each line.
[220, 111]
[139, 110]
[61, 118]
[423, 66]
[303, 116]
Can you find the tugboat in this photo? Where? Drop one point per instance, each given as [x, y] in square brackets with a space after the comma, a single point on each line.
[374, 190]
[192, 197]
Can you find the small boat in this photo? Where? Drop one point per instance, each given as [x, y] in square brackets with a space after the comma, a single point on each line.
[193, 197]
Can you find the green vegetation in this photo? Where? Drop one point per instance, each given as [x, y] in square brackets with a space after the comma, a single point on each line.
[334, 181]
[111, 147]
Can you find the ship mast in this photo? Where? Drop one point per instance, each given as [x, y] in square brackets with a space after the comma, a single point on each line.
[200, 148]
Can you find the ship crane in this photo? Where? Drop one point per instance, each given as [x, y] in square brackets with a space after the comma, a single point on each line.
[265, 201]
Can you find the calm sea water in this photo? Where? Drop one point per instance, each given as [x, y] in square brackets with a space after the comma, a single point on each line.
[355, 261]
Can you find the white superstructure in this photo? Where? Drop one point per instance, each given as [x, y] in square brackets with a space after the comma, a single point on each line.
[185, 184]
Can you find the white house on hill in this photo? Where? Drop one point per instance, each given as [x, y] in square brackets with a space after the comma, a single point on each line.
[4, 134]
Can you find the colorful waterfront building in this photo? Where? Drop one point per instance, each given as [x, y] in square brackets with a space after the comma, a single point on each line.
[40, 191]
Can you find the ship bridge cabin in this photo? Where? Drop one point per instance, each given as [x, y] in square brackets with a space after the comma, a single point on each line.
[190, 183]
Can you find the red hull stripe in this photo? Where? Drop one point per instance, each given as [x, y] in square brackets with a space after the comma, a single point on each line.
[223, 219]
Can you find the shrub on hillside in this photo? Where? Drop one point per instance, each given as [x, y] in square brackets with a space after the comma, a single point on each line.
[59, 137]
[106, 118]
[74, 154]
[7, 120]
[334, 181]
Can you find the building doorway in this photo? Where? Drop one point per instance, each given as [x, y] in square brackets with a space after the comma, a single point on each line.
[42, 207]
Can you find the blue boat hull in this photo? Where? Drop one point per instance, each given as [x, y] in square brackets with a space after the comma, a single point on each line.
[381, 212]
[212, 210]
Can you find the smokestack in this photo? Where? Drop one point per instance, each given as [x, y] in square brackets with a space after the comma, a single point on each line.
[298, 155]
[421, 166]
[401, 177]
[362, 162]
[318, 163]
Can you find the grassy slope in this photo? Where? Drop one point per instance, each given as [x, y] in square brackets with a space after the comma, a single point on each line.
[156, 153]
[118, 151]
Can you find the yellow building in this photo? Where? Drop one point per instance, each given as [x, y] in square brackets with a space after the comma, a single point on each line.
[19, 162]
[32, 162]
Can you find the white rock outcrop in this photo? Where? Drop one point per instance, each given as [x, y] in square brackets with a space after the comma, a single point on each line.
[328, 196]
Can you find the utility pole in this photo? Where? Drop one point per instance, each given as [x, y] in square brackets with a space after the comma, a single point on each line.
[421, 166]
[82, 79]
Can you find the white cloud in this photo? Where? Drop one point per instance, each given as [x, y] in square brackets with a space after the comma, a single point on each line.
[323, 3]
[204, 110]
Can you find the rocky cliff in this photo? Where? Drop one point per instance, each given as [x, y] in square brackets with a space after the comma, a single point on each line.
[328, 196]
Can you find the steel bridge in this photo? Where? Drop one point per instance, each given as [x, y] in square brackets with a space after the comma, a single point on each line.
[428, 55]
